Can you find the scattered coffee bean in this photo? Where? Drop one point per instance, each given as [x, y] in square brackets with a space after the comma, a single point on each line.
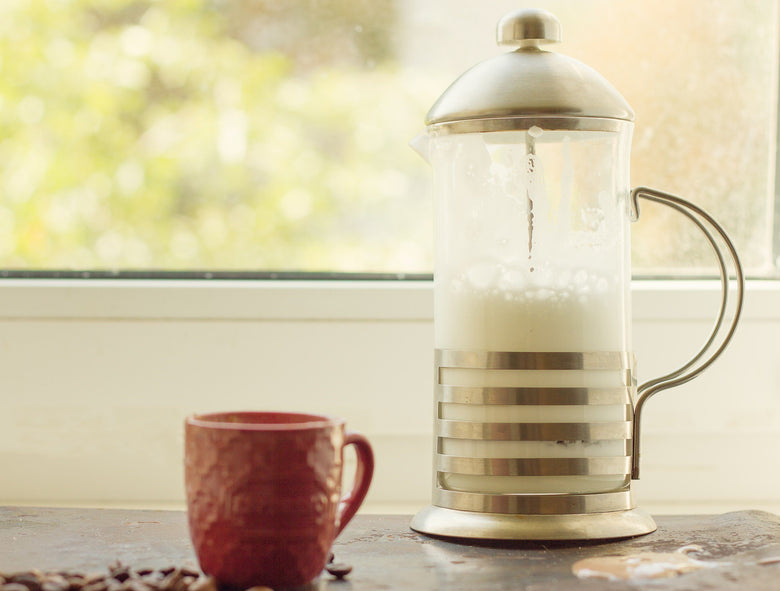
[91, 578]
[204, 583]
[55, 583]
[31, 580]
[152, 579]
[135, 585]
[171, 580]
[121, 575]
[339, 569]
[331, 557]
[167, 570]
[124, 578]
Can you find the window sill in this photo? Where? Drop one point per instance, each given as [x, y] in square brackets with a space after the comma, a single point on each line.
[318, 300]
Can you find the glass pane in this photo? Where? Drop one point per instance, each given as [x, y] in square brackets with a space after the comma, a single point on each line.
[264, 135]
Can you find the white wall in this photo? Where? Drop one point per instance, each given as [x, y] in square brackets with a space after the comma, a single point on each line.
[98, 376]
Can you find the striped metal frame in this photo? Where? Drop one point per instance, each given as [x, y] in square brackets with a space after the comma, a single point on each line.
[621, 363]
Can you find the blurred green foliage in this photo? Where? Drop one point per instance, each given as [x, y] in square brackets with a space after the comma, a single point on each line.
[214, 134]
[273, 135]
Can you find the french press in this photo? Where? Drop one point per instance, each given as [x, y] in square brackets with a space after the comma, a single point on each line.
[537, 410]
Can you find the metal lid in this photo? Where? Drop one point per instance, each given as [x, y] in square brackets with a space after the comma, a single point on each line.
[507, 91]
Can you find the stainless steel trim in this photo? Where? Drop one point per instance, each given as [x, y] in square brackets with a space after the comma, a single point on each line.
[627, 446]
[524, 123]
[439, 521]
[532, 396]
[627, 412]
[600, 360]
[533, 431]
[539, 504]
[696, 364]
[600, 466]
[626, 376]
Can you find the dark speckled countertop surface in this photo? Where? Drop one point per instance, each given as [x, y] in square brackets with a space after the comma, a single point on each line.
[741, 551]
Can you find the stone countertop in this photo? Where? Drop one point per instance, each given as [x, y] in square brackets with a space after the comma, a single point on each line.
[741, 551]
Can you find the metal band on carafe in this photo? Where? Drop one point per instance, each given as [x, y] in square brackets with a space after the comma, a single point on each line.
[619, 364]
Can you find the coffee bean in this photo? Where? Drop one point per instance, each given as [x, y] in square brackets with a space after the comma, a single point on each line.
[204, 583]
[339, 569]
[173, 581]
[55, 583]
[90, 578]
[331, 557]
[54, 578]
[136, 585]
[34, 573]
[116, 567]
[73, 577]
[95, 586]
[31, 580]
[152, 577]
[119, 572]
[75, 580]
[121, 575]
[167, 570]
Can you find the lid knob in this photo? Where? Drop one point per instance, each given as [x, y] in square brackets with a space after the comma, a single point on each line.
[529, 27]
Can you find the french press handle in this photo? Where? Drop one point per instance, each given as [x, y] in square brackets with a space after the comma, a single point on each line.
[713, 347]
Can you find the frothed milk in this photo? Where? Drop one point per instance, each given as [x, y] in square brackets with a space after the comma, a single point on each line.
[576, 312]
[490, 308]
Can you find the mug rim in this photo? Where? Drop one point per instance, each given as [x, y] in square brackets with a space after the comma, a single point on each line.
[215, 420]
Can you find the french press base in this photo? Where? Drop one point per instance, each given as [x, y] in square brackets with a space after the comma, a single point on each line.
[451, 523]
[560, 455]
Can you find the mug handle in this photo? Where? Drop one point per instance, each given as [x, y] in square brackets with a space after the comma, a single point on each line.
[695, 365]
[351, 502]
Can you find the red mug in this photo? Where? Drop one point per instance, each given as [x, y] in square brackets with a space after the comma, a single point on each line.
[264, 498]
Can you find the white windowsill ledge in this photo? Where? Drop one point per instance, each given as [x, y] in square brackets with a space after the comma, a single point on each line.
[67, 299]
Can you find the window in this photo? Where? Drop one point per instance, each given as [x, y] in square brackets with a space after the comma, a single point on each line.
[231, 136]
[262, 135]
